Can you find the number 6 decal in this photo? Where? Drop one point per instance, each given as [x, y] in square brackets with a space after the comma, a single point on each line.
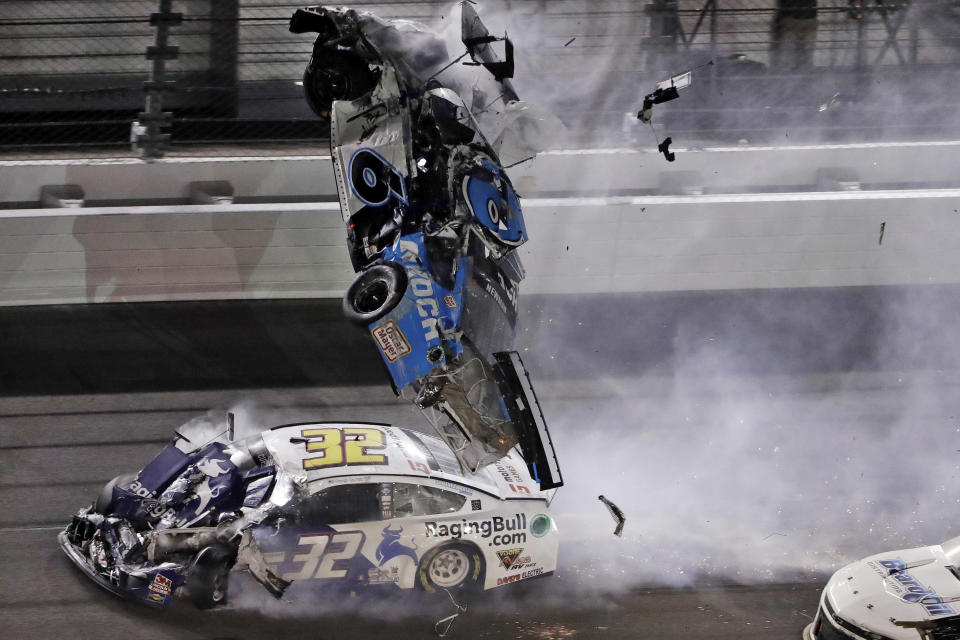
[374, 180]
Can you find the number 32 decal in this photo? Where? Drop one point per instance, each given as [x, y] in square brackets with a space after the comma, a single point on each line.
[320, 560]
[348, 446]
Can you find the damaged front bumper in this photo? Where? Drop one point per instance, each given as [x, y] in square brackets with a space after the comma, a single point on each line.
[152, 586]
[142, 588]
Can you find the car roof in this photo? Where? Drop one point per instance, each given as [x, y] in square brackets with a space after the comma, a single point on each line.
[403, 452]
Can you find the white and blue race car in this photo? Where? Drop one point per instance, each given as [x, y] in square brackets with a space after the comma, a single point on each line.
[911, 594]
[342, 504]
[432, 219]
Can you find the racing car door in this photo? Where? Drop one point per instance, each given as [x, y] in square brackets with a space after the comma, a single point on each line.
[307, 540]
[354, 534]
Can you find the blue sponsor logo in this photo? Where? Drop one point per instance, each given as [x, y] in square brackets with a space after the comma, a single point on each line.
[391, 547]
[914, 592]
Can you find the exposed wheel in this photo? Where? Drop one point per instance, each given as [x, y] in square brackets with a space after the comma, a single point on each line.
[105, 499]
[454, 566]
[335, 74]
[208, 578]
[374, 292]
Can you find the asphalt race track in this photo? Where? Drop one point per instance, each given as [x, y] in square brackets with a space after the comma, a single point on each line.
[97, 411]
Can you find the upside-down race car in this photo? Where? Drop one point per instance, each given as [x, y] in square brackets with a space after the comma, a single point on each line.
[433, 222]
[329, 503]
[912, 594]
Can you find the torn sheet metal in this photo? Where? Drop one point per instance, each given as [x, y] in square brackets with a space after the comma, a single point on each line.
[616, 513]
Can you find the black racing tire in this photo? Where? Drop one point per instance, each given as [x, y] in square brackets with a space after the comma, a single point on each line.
[335, 74]
[374, 292]
[208, 578]
[452, 567]
[105, 499]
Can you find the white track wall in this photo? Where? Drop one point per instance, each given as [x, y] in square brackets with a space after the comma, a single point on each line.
[649, 243]
[578, 243]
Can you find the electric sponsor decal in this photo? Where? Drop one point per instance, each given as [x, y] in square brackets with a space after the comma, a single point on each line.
[391, 341]
[532, 573]
[498, 529]
[910, 590]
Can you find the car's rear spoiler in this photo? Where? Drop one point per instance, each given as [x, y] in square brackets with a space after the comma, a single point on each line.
[524, 409]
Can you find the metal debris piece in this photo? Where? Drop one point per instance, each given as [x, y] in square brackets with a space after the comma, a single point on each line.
[569, 41]
[883, 226]
[442, 626]
[664, 148]
[617, 515]
[665, 92]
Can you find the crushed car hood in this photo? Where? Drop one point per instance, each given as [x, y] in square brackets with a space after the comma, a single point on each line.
[889, 593]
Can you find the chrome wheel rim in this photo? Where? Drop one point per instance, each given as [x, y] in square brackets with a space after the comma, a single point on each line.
[449, 568]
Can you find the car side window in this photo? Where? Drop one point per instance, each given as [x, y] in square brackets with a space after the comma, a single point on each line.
[419, 500]
[341, 504]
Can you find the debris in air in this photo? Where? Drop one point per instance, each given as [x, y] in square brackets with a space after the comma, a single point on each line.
[883, 226]
[666, 91]
[569, 41]
[442, 626]
[664, 148]
[617, 515]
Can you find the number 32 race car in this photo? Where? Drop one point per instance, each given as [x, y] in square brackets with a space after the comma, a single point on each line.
[330, 503]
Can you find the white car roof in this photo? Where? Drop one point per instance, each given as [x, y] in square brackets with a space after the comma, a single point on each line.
[404, 452]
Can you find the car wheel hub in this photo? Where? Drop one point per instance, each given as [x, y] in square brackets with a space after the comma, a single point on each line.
[449, 568]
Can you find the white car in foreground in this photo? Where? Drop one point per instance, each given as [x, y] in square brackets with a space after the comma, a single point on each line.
[911, 594]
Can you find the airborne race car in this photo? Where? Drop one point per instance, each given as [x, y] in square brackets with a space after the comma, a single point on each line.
[433, 222]
[330, 503]
[913, 594]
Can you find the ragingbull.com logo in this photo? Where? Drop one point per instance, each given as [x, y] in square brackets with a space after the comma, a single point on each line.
[501, 530]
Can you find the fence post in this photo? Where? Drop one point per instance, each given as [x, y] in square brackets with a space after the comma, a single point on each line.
[146, 132]
[224, 40]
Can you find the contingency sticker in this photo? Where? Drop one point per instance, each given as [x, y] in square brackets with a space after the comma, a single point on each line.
[391, 340]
